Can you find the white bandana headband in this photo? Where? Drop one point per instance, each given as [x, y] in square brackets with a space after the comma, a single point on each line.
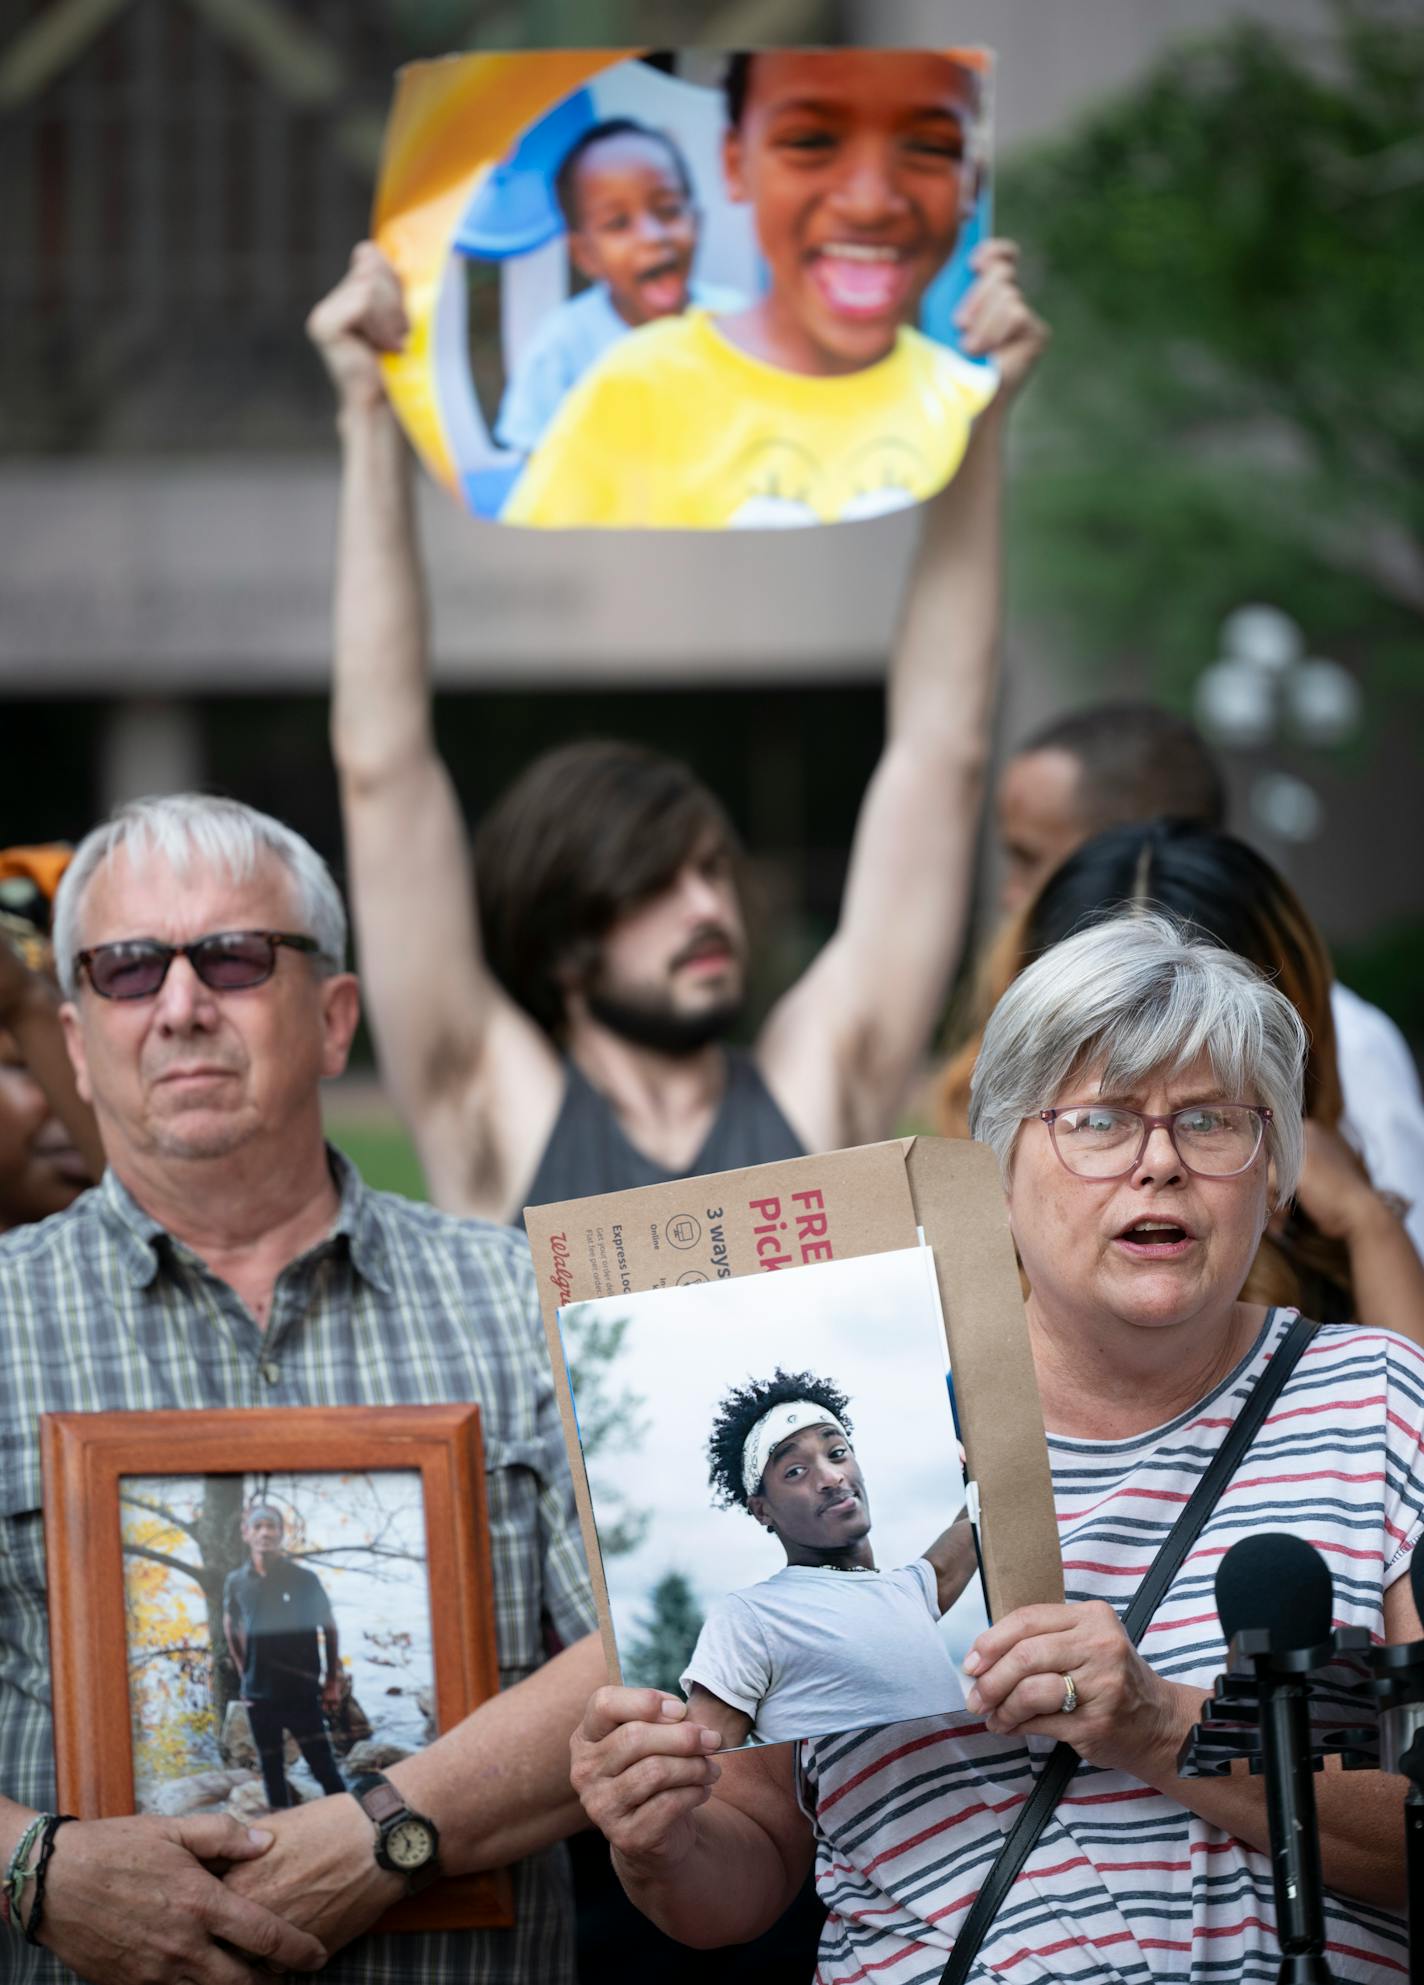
[776, 1426]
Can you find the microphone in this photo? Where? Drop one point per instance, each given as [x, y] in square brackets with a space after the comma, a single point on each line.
[1275, 1598]
[1279, 1585]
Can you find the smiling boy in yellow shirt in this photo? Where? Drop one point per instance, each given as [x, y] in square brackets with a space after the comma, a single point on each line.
[819, 402]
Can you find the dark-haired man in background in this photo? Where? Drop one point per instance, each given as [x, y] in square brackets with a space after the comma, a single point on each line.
[568, 1037]
[1125, 762]
[1106, 766]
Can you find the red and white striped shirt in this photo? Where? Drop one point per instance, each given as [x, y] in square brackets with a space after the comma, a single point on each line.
[1125, 1886]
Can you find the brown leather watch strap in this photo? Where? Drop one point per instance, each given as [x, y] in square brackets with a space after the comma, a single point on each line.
[382, 1802]
[384, 1806]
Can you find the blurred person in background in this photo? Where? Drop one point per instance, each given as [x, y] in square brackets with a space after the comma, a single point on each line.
[1093, 769]
[1340, 1251]
[568, 1036]
[1102, 767]
[49, 1143]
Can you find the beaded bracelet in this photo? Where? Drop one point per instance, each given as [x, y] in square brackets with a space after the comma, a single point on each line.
[18, 1871]
[52, 1823]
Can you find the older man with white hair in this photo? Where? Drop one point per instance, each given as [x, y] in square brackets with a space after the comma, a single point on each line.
[231, 1259]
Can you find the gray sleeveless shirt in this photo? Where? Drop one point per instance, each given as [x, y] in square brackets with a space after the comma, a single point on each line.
[587, 1151]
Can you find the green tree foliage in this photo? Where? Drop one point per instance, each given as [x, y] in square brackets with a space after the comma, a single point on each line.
[669, 1634]
[1232, 259]
[610, 1419]
[181, 1677]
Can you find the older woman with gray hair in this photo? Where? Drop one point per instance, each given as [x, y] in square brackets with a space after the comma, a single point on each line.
[1142, 1089]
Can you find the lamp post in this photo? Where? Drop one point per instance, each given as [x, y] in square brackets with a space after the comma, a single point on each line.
[1264, 690]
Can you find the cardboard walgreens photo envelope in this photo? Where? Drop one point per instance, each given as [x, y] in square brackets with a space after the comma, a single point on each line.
[765, 1377]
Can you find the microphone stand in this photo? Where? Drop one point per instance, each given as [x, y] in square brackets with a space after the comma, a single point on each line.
[1411, 1763]
[1289, 1771]
[1397, 1680]
[1370, 1712]
[1281, 1713]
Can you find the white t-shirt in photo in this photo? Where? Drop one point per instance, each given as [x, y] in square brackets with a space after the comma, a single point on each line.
[814, 1650]
[566, 344]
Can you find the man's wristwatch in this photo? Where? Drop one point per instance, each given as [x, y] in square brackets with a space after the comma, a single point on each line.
[407, 1843]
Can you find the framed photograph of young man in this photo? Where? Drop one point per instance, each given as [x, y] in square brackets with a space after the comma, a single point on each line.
[241, 1611]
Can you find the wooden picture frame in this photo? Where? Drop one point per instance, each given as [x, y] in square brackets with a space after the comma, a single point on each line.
[85, 1456]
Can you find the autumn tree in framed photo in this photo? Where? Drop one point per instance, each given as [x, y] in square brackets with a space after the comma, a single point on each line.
[248, 1609]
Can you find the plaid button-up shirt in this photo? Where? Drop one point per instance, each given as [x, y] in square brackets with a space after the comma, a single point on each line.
[101, 1310]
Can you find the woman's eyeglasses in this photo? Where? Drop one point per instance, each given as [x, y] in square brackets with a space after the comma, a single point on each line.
[1101, 1141]
[227, 961]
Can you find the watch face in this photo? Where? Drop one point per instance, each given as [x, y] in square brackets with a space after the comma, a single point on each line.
[409, 1844]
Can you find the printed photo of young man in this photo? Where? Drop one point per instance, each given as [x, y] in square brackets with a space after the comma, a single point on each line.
[830, 1642]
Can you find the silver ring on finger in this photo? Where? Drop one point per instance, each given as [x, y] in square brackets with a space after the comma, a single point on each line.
[1070, 1695]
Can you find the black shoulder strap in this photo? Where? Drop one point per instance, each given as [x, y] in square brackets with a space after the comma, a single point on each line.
[1063, 1760]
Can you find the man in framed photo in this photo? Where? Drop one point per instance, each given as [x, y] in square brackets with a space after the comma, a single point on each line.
[277, 1618]
[830, 1642]
[231, 1258]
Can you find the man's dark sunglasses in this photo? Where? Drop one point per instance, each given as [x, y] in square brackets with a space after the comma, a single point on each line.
[227, 961]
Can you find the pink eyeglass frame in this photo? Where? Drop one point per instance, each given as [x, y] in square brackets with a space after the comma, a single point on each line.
[1262, 1114]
